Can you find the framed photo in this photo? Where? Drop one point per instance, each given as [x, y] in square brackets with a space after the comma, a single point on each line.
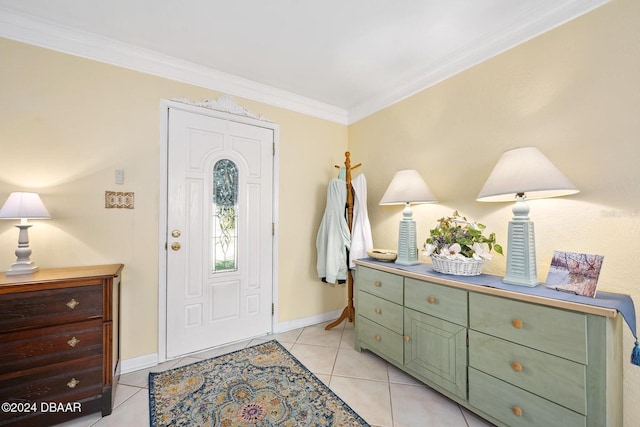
[574, 272]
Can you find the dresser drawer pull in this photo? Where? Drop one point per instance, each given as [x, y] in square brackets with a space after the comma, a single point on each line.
[517, 411]
[377, 310]
[406, 338]
[377, 337]
[517, 323]
[73, 342]
[72, 304]
[377, 283]
[431, 300]
[516, 367]
[73, 383]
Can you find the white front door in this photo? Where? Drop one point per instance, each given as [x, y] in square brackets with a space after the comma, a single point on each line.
[219, 231]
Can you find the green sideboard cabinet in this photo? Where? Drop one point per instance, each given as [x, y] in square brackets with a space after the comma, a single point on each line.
[513, 359]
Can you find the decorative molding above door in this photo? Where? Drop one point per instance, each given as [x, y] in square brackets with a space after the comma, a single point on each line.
[226, 104]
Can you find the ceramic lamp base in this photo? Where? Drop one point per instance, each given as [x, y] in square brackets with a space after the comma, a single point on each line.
[521, 252]
[407, 240]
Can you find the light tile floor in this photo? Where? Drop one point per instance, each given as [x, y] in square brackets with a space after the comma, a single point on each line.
[382, 394]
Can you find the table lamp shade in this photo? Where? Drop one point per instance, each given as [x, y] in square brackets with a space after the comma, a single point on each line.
[23, 205]
[525, 170]
[406, 187]
[523, 173]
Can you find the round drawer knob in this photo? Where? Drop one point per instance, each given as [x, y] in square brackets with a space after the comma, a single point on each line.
[517, 323]
[517, 411]
[516, 367]
[377, 337]
[377, 283]
[431, 300]
[406, 338]
[377, 310]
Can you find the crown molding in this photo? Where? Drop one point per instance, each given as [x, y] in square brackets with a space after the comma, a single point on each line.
[531, 25]
[43, 33]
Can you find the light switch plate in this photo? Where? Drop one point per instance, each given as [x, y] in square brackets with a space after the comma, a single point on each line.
[118, 200]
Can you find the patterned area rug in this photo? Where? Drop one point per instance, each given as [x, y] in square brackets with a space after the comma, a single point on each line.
[263, 385]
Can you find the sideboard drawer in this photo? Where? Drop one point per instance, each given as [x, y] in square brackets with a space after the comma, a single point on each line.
[516, 407]
[436, 300]
[22, 310]
[381, 311]
[29, 350]
[56, 383]
[555, 331]
[554, 378]
[380, 339]
[386, 285]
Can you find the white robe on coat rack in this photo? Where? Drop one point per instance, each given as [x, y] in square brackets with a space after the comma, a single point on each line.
[361, 239]
[334, 238]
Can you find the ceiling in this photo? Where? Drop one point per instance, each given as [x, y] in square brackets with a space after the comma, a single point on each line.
[336, 59]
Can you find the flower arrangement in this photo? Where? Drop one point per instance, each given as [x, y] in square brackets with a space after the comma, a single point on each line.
[457, 238]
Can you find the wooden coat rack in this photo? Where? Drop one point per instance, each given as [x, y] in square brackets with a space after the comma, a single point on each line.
[349, 311]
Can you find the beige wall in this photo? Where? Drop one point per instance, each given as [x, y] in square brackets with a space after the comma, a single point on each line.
[66, 125]
[574, 93]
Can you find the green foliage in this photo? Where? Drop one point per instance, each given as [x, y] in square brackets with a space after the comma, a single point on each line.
[225, 265]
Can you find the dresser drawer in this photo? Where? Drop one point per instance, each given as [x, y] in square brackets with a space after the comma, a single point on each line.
[22, 310]
[555, 331]
[26, 350]
[385, 285]
[65, 382]
[436, 300]
[381, 311]
[516, 407]
[556, 379]
[380, 339]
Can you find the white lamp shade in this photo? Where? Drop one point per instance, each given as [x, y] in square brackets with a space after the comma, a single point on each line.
[407, 186]
[525, 170]
[24, 205]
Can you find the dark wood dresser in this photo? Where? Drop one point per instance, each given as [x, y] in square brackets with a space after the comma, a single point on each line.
[59, 344]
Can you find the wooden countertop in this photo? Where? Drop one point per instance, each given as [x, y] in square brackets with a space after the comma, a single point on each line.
[47, 275]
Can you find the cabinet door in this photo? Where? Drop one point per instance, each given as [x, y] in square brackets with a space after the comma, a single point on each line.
[436, 351]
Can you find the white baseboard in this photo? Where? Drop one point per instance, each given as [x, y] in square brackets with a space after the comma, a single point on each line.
[306, 321]
[151, 360]
[137, 363]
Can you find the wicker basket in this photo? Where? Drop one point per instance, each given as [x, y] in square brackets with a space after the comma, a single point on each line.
[458, 267]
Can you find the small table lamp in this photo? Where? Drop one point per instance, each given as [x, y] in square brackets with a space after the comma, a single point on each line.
[523, 173]
[407, 186]
[23, 206]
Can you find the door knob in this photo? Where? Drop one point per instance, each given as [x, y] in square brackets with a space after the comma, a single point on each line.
[175, 233]
[176, 246]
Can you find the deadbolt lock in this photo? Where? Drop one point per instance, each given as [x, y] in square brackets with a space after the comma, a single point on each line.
[175, 233]
[175, 246]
